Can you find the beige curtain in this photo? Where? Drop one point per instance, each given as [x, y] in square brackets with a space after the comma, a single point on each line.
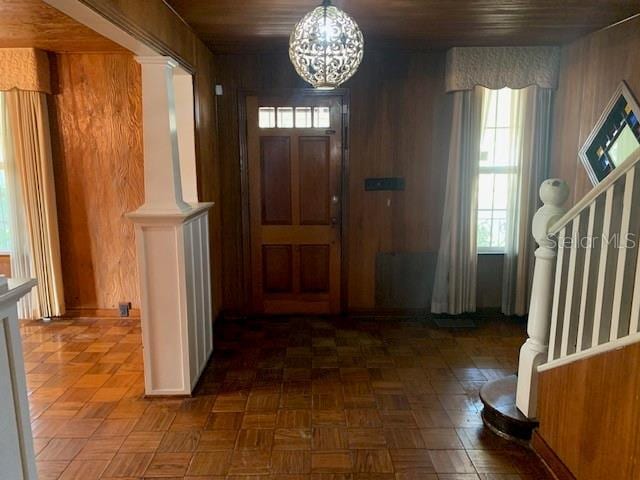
[29, 122]
[454, 289]
[20, 248]
[531, 114]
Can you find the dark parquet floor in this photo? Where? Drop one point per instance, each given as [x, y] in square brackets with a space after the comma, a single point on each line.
[282, 398]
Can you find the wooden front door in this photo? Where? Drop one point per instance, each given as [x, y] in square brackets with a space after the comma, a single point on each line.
[294, 149]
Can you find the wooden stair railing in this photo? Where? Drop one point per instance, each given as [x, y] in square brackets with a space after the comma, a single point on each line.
[586, 286]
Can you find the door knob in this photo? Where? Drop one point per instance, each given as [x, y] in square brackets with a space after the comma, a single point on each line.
[335, 199]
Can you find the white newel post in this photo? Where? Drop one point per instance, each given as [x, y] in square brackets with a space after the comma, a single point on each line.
[172, 239]
[553, 193]
[17, 458]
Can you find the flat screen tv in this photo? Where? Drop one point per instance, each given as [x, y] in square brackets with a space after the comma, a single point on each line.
[615, 137]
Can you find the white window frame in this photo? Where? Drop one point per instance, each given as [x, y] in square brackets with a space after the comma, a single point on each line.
[493, 169]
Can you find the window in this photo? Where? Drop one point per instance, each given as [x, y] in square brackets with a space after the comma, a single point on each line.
[497, 170]
[290, 117]
[267, 117]
[5, 237]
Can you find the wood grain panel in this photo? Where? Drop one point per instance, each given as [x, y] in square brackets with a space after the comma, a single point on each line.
[5, 265]
[277, 264]
[592, 68]
[314, 180]
[400, 118]
[207, 164]
[314, 268]
[228, 24]
[589, 416]
[275, 173]
[156, 24]
[98, 164]
[33, 23]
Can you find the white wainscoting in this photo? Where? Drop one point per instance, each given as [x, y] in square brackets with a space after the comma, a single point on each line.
[176, 314]
[17, 460]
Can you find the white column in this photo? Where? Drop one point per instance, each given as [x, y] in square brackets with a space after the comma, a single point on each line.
[17, 459]
[172, 239]
[162, 183]
[553, 193]
[185, 116]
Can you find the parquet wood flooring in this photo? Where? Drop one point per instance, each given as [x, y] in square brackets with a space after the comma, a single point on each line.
[282, 398]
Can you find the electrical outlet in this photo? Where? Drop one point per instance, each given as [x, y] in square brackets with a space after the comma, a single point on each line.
[123, 309]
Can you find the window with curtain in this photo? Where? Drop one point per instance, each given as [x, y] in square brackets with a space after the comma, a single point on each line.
[5, 237]
[497, 169]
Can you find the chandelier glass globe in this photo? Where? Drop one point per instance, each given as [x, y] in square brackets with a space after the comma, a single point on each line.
[326, 46]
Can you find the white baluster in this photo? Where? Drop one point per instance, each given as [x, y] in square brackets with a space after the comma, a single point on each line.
[583, 321]
[553, 193]
[555, 309]
[622, 255]
[602, 267]
[571, 273]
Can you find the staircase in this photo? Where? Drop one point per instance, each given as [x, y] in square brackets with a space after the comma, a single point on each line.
[585, 300]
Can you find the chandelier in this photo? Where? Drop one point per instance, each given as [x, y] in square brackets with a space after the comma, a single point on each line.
[326, 46]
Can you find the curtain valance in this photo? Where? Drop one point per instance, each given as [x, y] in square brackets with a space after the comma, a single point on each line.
[24, 69]
[499, 67]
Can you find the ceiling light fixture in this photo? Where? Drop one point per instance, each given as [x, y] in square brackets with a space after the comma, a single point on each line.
[326, 46]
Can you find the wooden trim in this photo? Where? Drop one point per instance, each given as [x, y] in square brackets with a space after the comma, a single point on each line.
[553, 463]
[244, 199]
[592, 351]
[343, 94]
[100, 313]
[116, 17]
[344, 206]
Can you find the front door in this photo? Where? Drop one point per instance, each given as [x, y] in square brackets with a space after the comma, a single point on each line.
[294, 149]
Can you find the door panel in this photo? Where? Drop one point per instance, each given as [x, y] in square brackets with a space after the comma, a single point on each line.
[314, 268]
[276, 268]
[276, 194]
[315, 199]
[294, 203]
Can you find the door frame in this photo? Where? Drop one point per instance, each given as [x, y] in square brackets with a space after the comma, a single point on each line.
[344, 95]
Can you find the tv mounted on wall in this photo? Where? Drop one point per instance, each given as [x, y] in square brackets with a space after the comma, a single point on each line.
[614, 138]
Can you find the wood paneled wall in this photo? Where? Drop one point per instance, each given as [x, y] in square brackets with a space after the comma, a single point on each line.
[399, 124]
[588, 410]
[156, 24]
[592, 68]
[589, 416]
[96, 118]
[207, 163]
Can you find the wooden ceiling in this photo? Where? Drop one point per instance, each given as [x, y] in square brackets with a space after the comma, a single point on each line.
[230, 24]
[33, 23]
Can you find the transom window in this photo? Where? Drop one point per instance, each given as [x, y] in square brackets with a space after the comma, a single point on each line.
[294, 117]
[497, 170]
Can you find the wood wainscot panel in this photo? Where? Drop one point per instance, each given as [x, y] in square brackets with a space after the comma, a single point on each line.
[589, 415]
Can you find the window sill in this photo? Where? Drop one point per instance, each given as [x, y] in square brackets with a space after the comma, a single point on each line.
[490, 252]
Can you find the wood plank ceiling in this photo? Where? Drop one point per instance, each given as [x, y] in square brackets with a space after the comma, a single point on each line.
[232, 24]
[33, 23]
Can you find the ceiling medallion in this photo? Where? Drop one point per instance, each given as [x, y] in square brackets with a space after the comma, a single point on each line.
[326, 46]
